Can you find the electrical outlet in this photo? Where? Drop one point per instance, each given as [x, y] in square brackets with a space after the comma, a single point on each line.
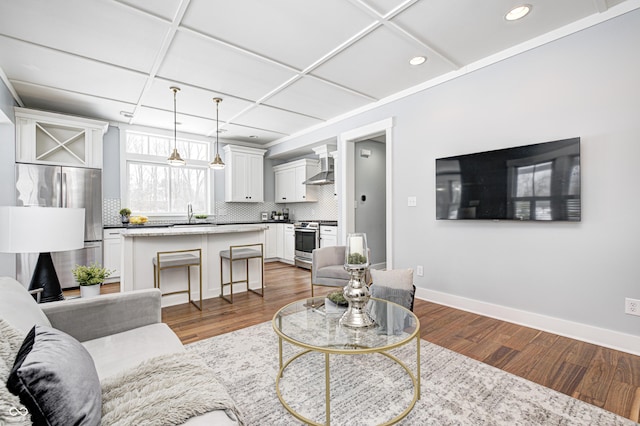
[632, 306]
[419, 271]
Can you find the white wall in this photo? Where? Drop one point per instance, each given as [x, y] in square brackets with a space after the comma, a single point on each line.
[583, 85]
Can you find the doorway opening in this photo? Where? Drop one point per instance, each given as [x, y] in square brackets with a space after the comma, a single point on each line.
[364, 156]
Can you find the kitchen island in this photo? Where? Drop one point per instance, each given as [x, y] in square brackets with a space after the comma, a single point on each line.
[140, 245]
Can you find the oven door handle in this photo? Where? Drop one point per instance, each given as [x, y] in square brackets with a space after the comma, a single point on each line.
[305, 230]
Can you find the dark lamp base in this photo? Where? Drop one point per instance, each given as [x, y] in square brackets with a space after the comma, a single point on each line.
[45, 277]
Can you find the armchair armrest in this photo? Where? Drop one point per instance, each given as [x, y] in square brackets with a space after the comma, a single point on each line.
[91, 318]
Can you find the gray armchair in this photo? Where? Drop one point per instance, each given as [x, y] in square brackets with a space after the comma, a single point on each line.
[327, 267]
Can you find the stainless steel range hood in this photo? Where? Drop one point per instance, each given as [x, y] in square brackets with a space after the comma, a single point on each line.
[326, 175]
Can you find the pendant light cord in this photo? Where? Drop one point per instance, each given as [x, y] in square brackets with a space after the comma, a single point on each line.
[175, 143]
[217, 125]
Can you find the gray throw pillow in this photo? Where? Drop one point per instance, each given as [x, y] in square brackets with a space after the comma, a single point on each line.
[56, 379]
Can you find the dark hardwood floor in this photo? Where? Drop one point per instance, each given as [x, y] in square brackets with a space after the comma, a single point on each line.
[603, 377]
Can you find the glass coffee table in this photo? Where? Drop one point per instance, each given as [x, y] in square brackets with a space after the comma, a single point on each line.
[314, 327]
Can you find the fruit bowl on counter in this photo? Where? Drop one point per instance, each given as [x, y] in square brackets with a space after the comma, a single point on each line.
[138, 220]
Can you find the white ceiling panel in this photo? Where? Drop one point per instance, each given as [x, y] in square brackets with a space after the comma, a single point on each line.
[103, 30]
[264, 117]
[483, 31]
[384, 6]
[48, 99]
[164, 120]
[192, 100]
[201, 62]
[378, 65]
[247, 134]
[164, 8]
[314, 97]
[40, 66]
[319, 26]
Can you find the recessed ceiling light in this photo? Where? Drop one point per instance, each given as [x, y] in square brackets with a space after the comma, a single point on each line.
[417, 60]
[222, 130]
[518, 12]
[126, 114]
[253, 137]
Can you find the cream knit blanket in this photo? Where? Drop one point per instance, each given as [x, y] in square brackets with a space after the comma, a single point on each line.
[166, 390]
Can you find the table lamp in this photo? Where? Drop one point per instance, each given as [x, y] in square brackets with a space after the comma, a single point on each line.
[42, 230]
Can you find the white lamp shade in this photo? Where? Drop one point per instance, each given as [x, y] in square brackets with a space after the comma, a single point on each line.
[40, 229]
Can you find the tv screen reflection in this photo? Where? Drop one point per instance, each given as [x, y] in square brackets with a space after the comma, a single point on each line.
[539, 182]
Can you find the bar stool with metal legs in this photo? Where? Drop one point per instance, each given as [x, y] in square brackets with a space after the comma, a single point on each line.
[178, 259]
[241, 252]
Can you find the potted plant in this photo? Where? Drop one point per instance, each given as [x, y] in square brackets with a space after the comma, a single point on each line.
[90, 278]
[124, 215]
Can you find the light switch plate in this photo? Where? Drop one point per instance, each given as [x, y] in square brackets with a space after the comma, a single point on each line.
[412, 201]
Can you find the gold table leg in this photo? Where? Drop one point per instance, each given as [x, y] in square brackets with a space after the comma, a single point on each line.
[327, 389]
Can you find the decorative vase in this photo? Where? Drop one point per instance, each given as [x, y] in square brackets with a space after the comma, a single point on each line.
[356, 292]
[124, 218]
[90, 290]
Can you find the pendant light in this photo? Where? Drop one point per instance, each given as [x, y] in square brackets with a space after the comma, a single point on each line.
[217, 162]
[175, 159]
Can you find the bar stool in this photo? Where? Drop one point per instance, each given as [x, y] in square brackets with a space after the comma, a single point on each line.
[241, 252]
[178, 259]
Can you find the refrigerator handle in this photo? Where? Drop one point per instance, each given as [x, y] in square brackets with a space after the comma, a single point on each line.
[58, 184]
[64, 190]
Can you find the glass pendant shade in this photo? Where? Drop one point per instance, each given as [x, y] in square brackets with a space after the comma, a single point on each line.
[217, 163]
[175, 159]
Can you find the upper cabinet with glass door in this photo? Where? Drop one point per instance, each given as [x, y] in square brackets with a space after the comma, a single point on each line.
[51, 138]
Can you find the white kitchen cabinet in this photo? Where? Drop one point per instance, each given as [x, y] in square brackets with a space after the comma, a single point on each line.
[271, 241]
[285, 185]
[289, 242]
[289, 178]
[280, 240]
[112, 250]
[51, 138]
[243, 174]
[328, 236]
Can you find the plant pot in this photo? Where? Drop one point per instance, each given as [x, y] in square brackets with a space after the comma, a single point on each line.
[124, 218]
[90, 290]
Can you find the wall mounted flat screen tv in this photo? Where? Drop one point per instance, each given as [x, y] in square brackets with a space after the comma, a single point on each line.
[539, 182]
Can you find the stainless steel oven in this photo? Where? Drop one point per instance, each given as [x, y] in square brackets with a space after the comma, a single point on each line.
[307, 238]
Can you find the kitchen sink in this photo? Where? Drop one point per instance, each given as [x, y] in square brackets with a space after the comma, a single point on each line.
[187, 225]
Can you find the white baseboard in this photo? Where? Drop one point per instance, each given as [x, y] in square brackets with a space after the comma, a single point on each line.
[586, 333]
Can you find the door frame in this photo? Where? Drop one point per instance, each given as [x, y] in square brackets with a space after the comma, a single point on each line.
[347, 201]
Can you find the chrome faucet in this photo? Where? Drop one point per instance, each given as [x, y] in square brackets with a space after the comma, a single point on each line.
[189, 212]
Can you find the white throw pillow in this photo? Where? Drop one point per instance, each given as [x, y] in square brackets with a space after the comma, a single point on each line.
[401, 279]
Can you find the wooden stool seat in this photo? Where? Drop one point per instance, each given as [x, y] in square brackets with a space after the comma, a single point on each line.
[178, 259]
[241, 252]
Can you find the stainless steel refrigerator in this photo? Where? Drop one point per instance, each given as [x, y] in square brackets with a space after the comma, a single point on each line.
[56, 186]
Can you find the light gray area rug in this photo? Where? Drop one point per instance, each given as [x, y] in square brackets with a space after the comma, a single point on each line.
[371, 389]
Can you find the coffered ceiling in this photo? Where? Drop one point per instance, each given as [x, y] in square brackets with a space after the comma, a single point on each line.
[281, 66]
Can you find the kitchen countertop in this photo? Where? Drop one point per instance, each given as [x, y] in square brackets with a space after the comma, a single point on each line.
[189, 229]
[186, 224]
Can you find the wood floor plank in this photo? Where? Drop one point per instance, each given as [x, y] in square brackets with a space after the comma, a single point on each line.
[597, 375]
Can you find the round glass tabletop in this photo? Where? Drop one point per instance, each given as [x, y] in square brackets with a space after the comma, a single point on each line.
[315, 325]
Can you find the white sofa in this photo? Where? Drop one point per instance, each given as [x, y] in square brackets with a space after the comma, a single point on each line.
[118, 330]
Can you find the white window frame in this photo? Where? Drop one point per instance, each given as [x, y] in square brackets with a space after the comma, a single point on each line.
[126, 158]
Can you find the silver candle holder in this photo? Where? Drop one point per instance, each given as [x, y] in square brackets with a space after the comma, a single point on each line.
[356, 292]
